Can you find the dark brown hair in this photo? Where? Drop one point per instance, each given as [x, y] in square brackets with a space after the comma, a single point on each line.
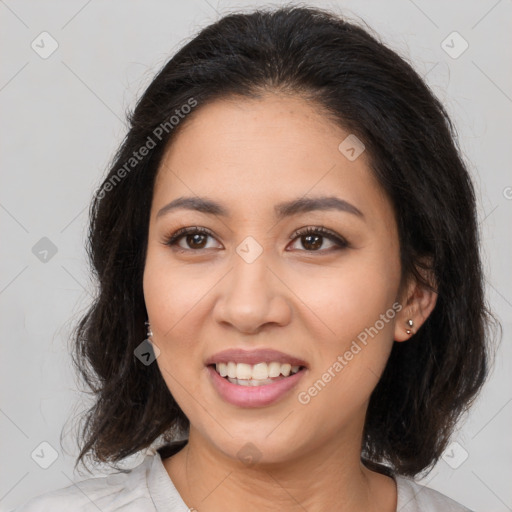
[368, 90]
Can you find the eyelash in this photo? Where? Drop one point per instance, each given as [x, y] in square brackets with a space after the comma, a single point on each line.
[172, 239]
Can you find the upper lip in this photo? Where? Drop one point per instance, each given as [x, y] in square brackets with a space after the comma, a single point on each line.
[263, 355]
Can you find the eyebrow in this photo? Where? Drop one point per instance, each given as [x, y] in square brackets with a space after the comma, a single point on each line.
[282, 210]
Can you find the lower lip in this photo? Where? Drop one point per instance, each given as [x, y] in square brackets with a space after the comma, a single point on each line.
[253, 396]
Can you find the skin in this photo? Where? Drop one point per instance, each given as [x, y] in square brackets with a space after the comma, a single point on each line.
[250, 154]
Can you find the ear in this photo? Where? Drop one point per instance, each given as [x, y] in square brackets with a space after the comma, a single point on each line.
[417, 301]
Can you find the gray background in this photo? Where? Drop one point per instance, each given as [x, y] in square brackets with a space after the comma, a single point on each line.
[63, 117]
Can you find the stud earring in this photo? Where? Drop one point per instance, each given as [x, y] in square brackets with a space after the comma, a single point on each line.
[148, 330]
[410, 323]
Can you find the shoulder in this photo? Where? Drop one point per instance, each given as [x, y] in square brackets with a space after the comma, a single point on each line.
[413, 497]
[126, 491]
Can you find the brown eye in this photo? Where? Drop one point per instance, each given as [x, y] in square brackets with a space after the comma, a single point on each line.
[312, 242]
[196, 241]
[312, 238]
[195, 238]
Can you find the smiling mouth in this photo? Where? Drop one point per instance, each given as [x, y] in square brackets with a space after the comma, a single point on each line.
[259, 374]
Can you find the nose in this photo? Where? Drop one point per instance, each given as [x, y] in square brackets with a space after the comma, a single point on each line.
[252, 296]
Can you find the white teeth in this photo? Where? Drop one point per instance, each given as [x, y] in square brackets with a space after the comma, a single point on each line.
[231, 370]
[243, 371]
[274, 369]
[259, 371]
[254, 373]
[251, 382]
[222, 368]
[286, 369]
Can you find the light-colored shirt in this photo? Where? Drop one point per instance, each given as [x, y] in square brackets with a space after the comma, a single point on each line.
[148, 488]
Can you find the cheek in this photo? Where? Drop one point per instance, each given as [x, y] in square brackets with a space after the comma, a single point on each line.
[172, 291]
[173, 301]
[354, 303]
[350, 296]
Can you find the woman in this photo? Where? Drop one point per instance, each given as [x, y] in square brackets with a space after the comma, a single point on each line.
[291, 311]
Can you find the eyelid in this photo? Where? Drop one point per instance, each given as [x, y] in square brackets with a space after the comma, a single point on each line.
[324, 232]
[189, 230]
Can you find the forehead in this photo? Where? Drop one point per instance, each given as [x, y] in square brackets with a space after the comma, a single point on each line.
[252, 152]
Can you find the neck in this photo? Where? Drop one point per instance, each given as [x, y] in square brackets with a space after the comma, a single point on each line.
[328, 477]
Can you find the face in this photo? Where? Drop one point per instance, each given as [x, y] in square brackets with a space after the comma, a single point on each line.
[318, 282]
